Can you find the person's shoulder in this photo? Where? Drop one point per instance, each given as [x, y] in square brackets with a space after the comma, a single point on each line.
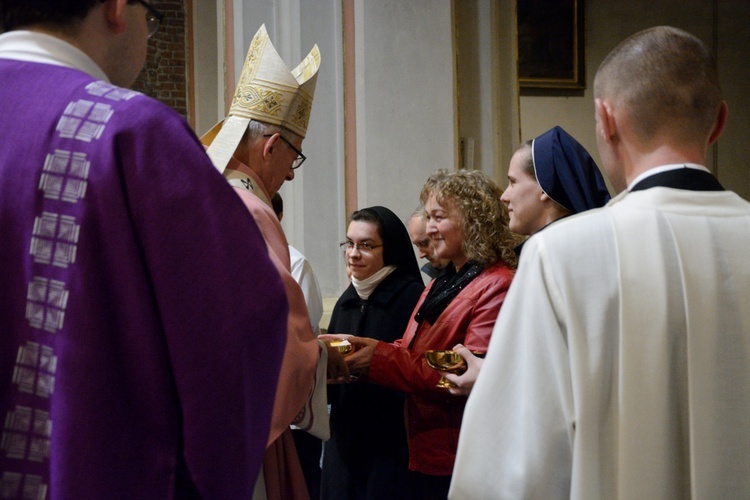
[737, 199]
[497, 271]
[494, 278]
[299, 263]
[740, 202]
[133, 107]
[581, 225]
[296, 255]
[259, 209]
[582, 218]
[573, 240]
[701, 203]
[413, 286]
[268, 223]
[152, 113]
[347, 298]
[261, 212]
[397, 283]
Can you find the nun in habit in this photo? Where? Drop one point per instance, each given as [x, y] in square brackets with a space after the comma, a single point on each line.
[367, 455]
[549, 178]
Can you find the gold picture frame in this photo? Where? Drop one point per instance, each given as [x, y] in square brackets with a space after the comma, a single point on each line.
[551, 44]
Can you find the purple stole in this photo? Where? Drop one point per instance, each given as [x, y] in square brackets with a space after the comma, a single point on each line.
[55, 233]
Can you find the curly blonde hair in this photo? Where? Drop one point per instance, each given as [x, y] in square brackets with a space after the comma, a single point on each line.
[487, 237]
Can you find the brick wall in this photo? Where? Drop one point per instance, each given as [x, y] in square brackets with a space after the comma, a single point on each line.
[164, 76]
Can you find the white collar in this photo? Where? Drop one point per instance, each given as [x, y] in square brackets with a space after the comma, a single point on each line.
[37, 47]
[665, 168]
[366, 286]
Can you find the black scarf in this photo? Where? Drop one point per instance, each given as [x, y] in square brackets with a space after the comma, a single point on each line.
[447, 285]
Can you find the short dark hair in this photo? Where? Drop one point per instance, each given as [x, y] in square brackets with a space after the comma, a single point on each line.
[668, 81]
[17, 14]
[368, 215]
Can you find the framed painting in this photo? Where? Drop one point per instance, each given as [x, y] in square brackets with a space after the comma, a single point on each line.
[551, 44]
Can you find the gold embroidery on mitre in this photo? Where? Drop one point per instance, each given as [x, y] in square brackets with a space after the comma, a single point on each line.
[301, 115]
[250, 68]
[306, 75]
[268, 92]
[262, 100]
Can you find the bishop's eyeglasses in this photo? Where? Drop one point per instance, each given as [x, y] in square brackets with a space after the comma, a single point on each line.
[300, 157]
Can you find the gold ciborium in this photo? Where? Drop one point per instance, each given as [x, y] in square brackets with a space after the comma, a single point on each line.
[343, 346]
[446, 361]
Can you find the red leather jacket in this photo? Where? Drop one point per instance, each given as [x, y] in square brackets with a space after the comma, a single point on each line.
[433, 416]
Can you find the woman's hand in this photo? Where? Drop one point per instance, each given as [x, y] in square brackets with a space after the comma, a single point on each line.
[465, 381]
[338, 372]
[359, 361]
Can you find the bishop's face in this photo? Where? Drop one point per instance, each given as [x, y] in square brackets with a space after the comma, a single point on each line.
[281, 159]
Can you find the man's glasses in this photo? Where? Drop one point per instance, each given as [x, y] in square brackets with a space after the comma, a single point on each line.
[153, 18]
[300, 157]
[366, 247]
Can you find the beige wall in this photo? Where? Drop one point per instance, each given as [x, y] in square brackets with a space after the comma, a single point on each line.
[208, 109]
[720, 23]
[417, 90]
[488, 110]
[733, 41]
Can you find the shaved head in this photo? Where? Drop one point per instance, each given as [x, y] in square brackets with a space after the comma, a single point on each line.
[667, 81]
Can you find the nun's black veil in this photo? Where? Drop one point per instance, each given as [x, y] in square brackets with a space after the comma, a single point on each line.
[397, 246]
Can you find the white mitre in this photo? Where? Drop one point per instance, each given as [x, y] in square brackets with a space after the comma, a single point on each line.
[267, 92]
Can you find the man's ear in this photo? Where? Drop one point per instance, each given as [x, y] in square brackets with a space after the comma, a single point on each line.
[721, 121]
[606, 120]
[114, 14]
[269, 144]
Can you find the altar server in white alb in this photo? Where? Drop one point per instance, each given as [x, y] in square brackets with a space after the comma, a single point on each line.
[619, 366]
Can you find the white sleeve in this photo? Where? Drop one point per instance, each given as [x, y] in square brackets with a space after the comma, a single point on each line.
[302, 272]
[518, 428]
[314, 416]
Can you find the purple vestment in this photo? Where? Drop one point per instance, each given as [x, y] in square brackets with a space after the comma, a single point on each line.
[141, 320]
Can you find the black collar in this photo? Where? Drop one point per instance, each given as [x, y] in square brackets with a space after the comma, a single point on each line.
[691, 179]
[386, 291]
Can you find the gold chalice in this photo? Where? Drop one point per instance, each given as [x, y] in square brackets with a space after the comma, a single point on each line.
[343, 346]
[446, 361]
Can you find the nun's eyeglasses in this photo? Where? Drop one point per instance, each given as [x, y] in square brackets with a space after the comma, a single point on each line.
[365, 247]
[153, 18]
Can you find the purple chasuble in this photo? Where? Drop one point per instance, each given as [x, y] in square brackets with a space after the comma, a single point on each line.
[142, 323]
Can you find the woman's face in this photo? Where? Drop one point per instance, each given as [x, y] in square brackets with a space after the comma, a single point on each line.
[445, 230]
[362, 262]
[523, 197]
